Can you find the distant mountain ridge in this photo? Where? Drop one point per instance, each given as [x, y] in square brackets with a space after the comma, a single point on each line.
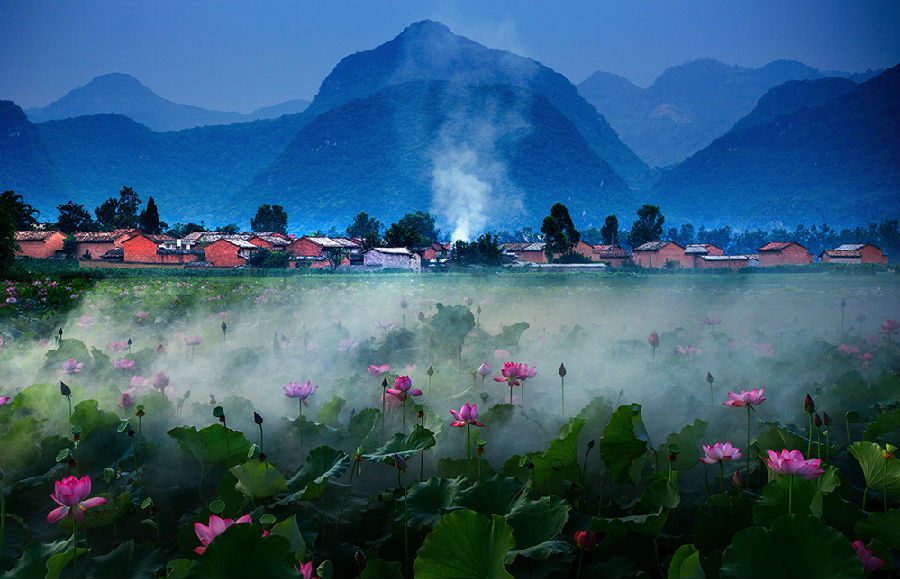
[783, 164]
[428, 50]
[26, 165]
[118, 93]
[688, 106]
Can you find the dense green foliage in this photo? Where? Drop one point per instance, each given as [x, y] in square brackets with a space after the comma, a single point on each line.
[647, 227]
[270, 219]
[560, 235]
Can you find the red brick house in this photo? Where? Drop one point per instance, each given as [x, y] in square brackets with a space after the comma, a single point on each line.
[528, 252]
[612, 255]
[227, 252]
[94, 244]
[656, 254]
[783, 253]
[731, 262]
[270, 241]
[39, 244]
[318, 246]
[854, 253]
[583, 248]
[698, 250]
[392, 258]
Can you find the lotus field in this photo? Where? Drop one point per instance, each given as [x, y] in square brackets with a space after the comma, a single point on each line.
[451, 426]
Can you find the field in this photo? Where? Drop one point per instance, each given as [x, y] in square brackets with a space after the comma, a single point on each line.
[186, 403]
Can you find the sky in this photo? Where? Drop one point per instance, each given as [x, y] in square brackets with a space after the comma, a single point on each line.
[241, 55]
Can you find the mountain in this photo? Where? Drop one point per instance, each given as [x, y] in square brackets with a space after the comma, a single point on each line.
[123, 94]
[793, 96]
[835, 162]
[190, 173]
[26, 166]
[428, 50]
[479, 157]
[687, 107]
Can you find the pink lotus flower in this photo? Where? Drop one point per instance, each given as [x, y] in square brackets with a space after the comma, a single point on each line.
[139, 383]
[387, 324]
[347, 345]
[71, 495]
[712, 321]
[653, 340]
[123, 364]
[11, 300]
[586, 540]
[848, 350]
[866, 358]
[687, 351]
[4, 400]
[390, 400]
[160, 349]
[890, 327]
[512, 373]
[746, 398]
[379, 370]
[763, 350]
[192, 340]
[71, 366]
[500, 354]
[126, 401]
[403, 387]
[306, 569]
[160, 380]
[870, 563]
[85, 321]
[217, 526]
[301, 391]
[141, 315]
[720, 452]
[484, 370]
[791, 462]
[117, 346]
[468, 414]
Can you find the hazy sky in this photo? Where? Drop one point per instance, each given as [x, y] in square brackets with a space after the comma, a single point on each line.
[240, 55]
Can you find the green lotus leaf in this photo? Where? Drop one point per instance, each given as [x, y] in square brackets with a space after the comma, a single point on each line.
[405, 445]
[494, 496]
[648, 525]
[322, 463]
[624, 444]
[883, 526]
[88, 417]
[242, 551]
[794, 546]
[685, 564]
[126, 560]
[209, 446]
[289, 530]
[689, 441]
[380, 569]
[882, 475]
[560, 461]
[362, 423]
[465, 544]
[885, 427]
[45, 401]
[660, 494]
[805, 496]
[36, 559]
[258, 480]
[328, 413]
[535, 525]
[428, 501]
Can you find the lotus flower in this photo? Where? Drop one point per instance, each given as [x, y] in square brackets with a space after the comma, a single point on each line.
[117, 346]
[141, 315]
[653, 340]
[126, 401]
[379, 370]
[160, 380]
[347, 345]
[712, 321]
[468, 414]
[71, 495]
[85, 321]
[719, 452]
[301, 391]
[192, 340]
[123, 364]
[746, 398]
[4, 400]
[306, 569]
[686, 351]
[586, 540]
[848, 350]
[71, 366]
[890, 327]
[402, 387]
[866, 358]
[791, 462]
[870, 563]
[215, 528]
[513, 373]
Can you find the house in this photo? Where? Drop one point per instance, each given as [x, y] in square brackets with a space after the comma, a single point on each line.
[612, 255]
[698, 250]
[532, 252]
[435, 251]
[319, 246]
[392, 258]
[659, 254]
[783, 253]
[226, 252]
[270, 241]
[853, 253]
[39, 244]
[584, 249]
[159, 249]
[93, 244]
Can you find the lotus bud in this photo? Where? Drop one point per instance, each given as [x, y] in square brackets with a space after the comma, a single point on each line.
[737, 480]
[808, 405]
[586, 540]
[384, 383]
[224, 327]
[257, 418]
[826, 420]
[360, 558]
[64, 389]
[399, 462]
[562, 370]
[403, 303]
[709, 378]
[478, 309]
[421, 316]
[430, 371]
[60, 333]
[817, 420]
[591, 444]
[889, 451]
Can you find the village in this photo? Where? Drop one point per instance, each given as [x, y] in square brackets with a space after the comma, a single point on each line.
[135, 249]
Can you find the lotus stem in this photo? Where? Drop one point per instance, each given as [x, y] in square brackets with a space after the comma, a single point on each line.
[747, 450]
[791, 493]
[562, 394]
[722, 476]
[510, 394]
[300, 420]
[346, 495]
[137, 471]
[2, 518]
[74, 547]
[403, 410]
[865, 492]
[827, 443]
[580, 558]
[809, 442]
[818, 443]
[468, 451]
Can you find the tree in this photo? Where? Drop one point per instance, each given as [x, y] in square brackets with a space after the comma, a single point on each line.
[560, 235]
[270, 218]
[8, 245]
[121, 213]
[269, 259]
[484, 251]
[149, 220]
[648, 227]
[366, 228]
[69, 246]
[23, 215]
[412, 230]
[336, 255]
[106, 214]
[74, 217]
[181, 229]
[610, 230]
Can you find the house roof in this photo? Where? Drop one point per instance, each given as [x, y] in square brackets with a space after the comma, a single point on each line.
[855, 246]
[779, 245]
[842, 253]
[391, 250]
[610, 251]
[699, 248]
[518, 247]
[333, 242]
[238, 242]
[655, 245]
[211, 236]
[278, 239]
[725, 257]
[102, 236]
[153, 237]
[34, 235]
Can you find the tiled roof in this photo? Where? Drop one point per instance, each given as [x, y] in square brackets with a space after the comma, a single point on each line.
[274, 239]
[610, 251]
[654, 245]
[99, 236]
[696, 248]
[234, 240]
[850, 247]
[725, 257]
[33, 235]
[842, 253]
[779, 245]
[332, 242]
[392, 250]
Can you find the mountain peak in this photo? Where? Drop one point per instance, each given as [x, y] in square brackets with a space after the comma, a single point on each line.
[426, 28]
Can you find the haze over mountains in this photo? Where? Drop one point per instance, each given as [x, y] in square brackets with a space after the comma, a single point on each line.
[483, 138]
